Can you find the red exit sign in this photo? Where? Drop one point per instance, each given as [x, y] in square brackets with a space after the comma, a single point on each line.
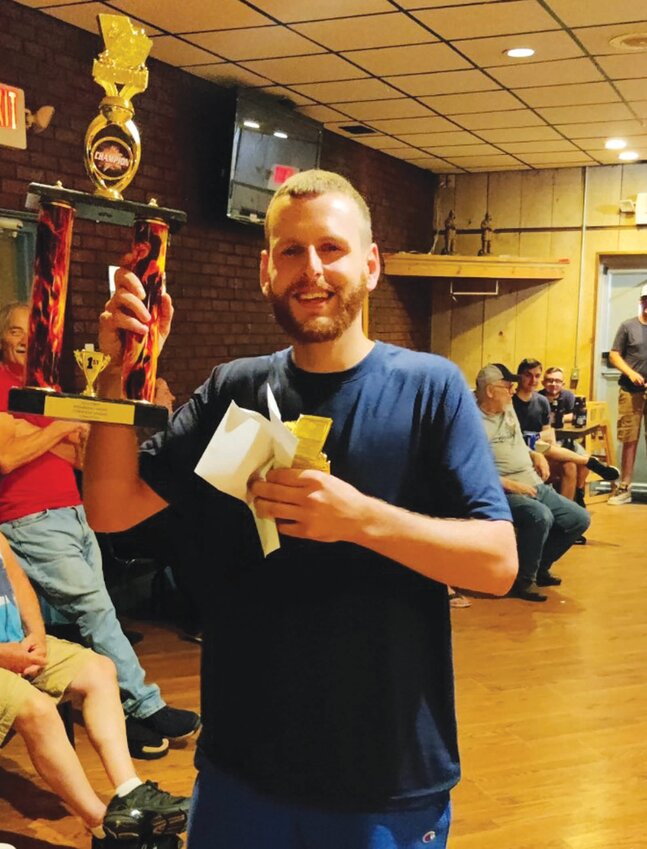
[12, 117]
[280, 174]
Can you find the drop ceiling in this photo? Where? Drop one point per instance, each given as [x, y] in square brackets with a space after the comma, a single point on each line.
[430, 78]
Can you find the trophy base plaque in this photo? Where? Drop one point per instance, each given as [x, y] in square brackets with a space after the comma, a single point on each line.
[61, 405]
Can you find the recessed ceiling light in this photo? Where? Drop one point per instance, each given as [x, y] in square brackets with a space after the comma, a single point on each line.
[520, 52]
[253, 125]
[615, 144]
[280, 135]
[628, 155]
[630, 41]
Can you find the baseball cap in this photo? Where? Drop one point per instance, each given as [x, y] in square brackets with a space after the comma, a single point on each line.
[643, 291]
[493, 372]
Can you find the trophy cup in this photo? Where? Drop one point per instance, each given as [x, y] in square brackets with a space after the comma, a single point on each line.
[112, 154]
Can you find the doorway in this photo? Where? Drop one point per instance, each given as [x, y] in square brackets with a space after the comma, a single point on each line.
[620, 280]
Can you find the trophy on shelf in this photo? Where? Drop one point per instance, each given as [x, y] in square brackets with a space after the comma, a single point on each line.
[112, 154]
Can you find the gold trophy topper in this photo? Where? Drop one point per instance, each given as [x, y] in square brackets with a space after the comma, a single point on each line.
[112, 143]
[92, 363]
[312, 432]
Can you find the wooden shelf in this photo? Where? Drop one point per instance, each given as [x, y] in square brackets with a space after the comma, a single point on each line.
[485, 267]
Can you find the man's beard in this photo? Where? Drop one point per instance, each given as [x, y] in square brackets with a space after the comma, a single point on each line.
[320, 328]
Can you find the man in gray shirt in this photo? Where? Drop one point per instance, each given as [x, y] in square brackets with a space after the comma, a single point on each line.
[629, 354]
[546, 523]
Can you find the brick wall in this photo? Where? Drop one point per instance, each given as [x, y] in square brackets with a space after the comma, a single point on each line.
[185, 125]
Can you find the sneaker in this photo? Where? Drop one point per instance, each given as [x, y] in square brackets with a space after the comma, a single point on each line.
[526, 590]
[144, 743]
[607, 473]
[581, 540]
[622, 495]
[172, 722]
[579, 498]
[144, 812]
[547, 579]
[458, 600]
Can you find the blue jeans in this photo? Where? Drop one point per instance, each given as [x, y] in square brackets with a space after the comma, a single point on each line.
[546, 527]
[61, 556]
[227, 813]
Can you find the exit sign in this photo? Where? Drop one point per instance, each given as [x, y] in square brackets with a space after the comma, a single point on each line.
[12, 117]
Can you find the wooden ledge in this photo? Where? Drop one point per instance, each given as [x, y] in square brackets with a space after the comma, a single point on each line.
[405, 264]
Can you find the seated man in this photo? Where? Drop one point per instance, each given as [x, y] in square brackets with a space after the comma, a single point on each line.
[546, 524]
[37, 671]
[532, 409]
[42, 517]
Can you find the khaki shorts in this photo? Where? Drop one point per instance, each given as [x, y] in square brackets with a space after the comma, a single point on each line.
[64, 661]
[631, 410]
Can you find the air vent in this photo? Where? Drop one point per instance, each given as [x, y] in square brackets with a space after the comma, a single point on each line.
[358, 130]
[630, 41]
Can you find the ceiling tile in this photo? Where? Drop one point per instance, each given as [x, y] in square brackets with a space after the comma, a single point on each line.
[596, 39]
[596, 144]
[454, 81]
[432, 124]
[402, 107]
[610, 128]
[322, 113]
[461, 150]
[227, 75]
[349, 90]
[563, 95]
[192, 15]
[548, 73]
[314, 10]
[322, 67]
[631, 89]
[511, 134]
[522, 147]
[575, 157]
[254, 43]
[581, 13]
[487, 52]
[401, 60]
[360, 33]
[478, 170]
[484, 161]
[435, 139]
[628, 66]
[433, 164]
[84, 15]
[520, 16]
[293, 96]
[453, 104]
[175, 51]
[379, 142]
[409, 153]
[590, 112]
[41, 4]
[639, 107]
[431, 4]
[486, 120]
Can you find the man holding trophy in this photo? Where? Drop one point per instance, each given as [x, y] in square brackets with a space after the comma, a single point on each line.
[327, 682]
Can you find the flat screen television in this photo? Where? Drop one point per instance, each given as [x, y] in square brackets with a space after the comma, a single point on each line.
[271, 142]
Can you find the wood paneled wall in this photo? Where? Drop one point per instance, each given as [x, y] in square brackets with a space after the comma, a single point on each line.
[568, 213]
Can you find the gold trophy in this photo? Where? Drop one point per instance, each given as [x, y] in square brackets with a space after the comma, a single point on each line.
[312, 432]
[91, 363]
[112, 155]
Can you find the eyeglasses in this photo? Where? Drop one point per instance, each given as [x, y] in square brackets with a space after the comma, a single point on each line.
[553, 380]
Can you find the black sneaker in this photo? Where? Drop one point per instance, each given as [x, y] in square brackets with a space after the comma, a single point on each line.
[144, 743]
[172, 722]
[526, 590]
[607, 473]
[581, 540]
[547, 579]
[145, 811]
[579, 497]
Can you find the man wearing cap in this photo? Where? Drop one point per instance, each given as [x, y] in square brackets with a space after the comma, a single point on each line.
[629, 354]
[546, 523]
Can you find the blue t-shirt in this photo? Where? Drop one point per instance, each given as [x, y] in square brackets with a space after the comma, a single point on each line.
[10, 624]
[327, 672]
[534, 414]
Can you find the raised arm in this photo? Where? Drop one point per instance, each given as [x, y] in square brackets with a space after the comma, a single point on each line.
[115, 496]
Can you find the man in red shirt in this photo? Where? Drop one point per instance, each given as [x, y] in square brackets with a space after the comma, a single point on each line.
[42, 516]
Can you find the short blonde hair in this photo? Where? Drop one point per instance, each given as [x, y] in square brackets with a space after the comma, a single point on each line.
[318, 182]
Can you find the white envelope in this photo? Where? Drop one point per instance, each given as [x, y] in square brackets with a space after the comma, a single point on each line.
[247, 444]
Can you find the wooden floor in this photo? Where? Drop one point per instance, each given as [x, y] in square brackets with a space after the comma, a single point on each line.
[552, 703]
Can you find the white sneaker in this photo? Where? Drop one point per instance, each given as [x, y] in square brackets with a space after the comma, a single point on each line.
[622, 495]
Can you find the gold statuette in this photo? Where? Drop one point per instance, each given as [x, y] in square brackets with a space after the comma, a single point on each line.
[312, 432]
[112, 143]
[92, 363]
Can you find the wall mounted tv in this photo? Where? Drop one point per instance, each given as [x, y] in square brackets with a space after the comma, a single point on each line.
[271, 142]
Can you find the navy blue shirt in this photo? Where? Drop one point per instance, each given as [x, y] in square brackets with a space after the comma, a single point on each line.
[327, 671]
[534, 414]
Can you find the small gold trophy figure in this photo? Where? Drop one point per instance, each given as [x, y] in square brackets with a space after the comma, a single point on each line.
[112, 143]
[91, 363]
[312, 432]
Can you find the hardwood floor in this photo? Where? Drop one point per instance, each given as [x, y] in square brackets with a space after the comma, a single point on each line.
[551, 704]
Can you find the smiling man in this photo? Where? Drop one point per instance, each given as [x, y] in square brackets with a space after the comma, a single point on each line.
[327, 683]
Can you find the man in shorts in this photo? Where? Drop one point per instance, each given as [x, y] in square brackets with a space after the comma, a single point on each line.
[36, 673]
